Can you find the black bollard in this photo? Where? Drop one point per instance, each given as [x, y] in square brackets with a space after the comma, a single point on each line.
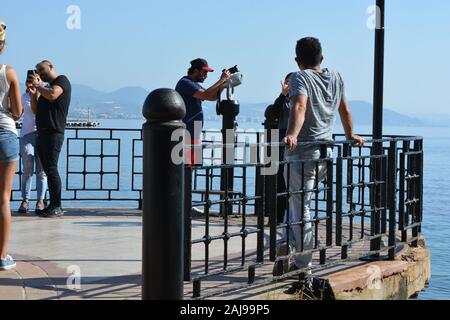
[163, 198]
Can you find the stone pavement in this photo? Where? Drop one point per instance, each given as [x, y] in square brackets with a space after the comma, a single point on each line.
[102, 247]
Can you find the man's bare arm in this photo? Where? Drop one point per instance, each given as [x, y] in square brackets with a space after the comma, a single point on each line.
[212, 93]
[50, 93]
[34, 96]
[347, 123]
[297, 119]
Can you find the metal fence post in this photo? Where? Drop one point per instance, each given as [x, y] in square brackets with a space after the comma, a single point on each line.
[230, 110]
[330, 199]
[375, 199]
[392, 197]
[375, 244]
[270, 189]
[417, 192]
[339, 197]
[421, 173]
[259, 211]
[401, 195]
[163, 198]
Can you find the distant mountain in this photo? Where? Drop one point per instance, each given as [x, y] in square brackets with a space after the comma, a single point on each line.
[123, 103]
[127, 103]
[132, 96]
[86, 95]
[362, 114]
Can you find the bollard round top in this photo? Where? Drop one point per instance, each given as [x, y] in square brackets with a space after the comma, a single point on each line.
[164, 105]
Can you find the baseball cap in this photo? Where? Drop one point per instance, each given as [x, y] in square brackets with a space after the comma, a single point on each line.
[201, 64]
[2, 30]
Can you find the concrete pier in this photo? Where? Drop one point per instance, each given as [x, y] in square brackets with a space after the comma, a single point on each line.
[95, 254]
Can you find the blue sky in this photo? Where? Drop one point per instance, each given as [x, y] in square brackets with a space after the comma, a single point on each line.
[150, 43]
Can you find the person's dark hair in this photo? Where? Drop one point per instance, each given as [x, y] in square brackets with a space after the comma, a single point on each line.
[46, 62]
[191, 71]
[309, 52]
[288, 76]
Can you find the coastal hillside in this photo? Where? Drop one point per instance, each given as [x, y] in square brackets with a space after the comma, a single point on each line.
[126, 103]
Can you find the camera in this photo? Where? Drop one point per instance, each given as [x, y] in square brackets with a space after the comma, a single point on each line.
[30, 74]
[234, 70]
[230, 105]
[235, 79]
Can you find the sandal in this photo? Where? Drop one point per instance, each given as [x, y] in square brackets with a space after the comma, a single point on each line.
[40, 206]
[24, 207]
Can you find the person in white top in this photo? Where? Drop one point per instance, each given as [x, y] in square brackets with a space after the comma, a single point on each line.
[10, 111]
[30, 159]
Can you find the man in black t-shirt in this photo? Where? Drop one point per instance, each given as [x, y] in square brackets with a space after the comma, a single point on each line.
[51, 104]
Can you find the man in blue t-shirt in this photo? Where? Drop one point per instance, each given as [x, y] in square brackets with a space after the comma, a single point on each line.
[193, 95]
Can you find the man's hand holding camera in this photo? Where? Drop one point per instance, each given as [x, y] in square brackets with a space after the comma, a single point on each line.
[35, 86]
[34, 82]
[226, 74]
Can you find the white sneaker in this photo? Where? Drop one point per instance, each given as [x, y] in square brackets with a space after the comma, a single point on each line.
[197, 212]
[7, 264]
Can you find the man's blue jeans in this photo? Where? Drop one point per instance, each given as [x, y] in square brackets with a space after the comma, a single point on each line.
[309, 171]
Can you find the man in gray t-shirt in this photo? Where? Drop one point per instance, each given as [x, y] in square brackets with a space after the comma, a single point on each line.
[316, 96]
[323, 92]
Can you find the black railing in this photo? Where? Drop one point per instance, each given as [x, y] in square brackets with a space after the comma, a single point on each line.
[351, 208]
[355, 213]
[98, 166]
[103, 166]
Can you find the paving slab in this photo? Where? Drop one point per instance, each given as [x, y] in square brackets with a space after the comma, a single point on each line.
[95, 254]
